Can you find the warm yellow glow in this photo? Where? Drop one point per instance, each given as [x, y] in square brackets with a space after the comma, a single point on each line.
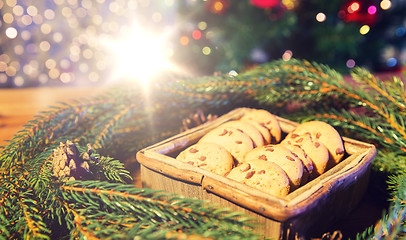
[364, 29]
[206, 50]
[386, 4]
[11, 32]
[138, 54]
[218, 6]
[321, 17]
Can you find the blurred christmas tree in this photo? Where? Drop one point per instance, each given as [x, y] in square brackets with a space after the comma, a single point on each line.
[72, 41]
[225, 35]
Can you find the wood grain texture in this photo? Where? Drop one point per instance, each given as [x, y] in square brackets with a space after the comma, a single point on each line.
[18, 106]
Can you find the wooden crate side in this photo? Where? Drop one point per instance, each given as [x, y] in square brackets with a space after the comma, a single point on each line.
[154, 180]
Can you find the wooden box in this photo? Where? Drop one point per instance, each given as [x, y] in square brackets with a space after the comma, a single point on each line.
[305, 211]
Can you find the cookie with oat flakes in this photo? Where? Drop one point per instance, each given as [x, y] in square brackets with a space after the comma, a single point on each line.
[232, 139]
[209, 156]
[265, 176]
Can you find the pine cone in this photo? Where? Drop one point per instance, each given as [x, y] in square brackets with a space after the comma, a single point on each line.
[67, 163]
[196, 119]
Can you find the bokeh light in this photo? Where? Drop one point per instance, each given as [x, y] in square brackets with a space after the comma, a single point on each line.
[196, 34]
[11, 32]
[350, 63]
[353, 7]
[385, 4]
[372, 9]
[391, 62]
[364, 29]
[206, 50]
[321, 17]
[287, 55]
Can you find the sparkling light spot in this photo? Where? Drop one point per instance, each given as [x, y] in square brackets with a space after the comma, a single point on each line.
[18, 10]
[3, 78]
[94, 76]
[18, 81]
[25, 35]
[57, 37]
[46, 28]
[83, 67]
[49, 14]
[364, 29]
[65, 64]
[5, 58]
[206, 50]
[3, 66]
[97, 19]
[11, 3]
[11, 32]
[8, 18]
[353, 7]
[66, 77]
[135, 47]
[202, 25]
[11, 71]
[53, 73]
[287, 55]
[184, 40]
[196, 34]
[218, 7]
[372, 9]
[391, 62]
[19, 49]
[26, 20]
[67, 12]
[44, 46]
[43, 78]
[50, 63]
[386, 4]
[321, 17]
[87, 53]
[32, 10]
[37, 19]
[233, 73]
[350, 63]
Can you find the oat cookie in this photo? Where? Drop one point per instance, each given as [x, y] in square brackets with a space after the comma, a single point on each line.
[316, 151]
[263, 175]
[268, 120]
[283, 157]
[301, 154]
[266, 135]
[209, 156]
[232, 139]
[326, 134]
[248, 129]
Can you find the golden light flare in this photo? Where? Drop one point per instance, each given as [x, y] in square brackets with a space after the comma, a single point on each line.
[138, 54]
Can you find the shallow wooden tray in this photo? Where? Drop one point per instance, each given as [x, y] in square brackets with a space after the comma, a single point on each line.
[301, 213]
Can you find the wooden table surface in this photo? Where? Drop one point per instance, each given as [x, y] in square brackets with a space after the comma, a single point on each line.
[17, 106]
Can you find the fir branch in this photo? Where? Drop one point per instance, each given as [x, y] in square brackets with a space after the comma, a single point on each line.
[392, 225]
[126, 207]
[112, 169]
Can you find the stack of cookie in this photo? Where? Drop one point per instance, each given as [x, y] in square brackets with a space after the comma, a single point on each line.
[251, 150]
